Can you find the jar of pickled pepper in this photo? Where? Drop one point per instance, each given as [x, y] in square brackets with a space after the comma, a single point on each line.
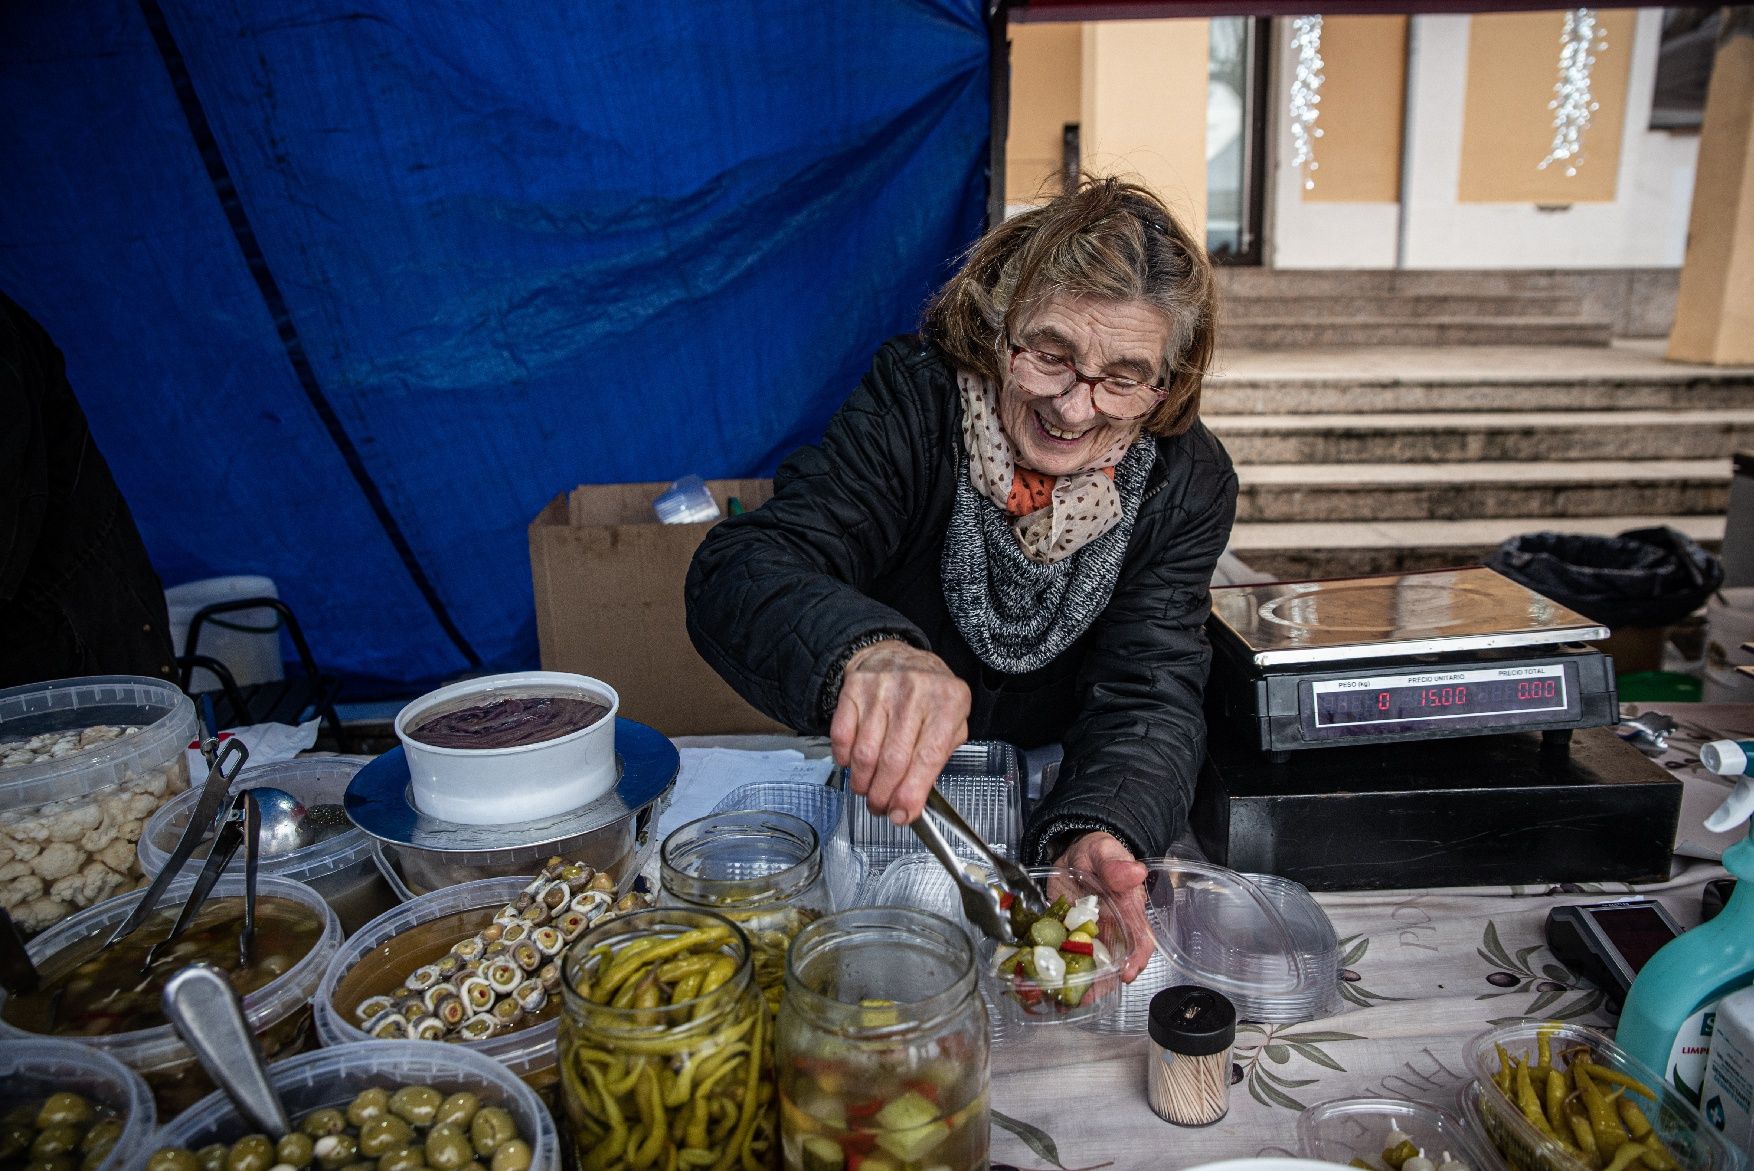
[665, 1055]
[762, 870]
[882, 1045]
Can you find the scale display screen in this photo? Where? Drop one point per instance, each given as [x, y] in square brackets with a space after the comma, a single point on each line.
[1493, 694]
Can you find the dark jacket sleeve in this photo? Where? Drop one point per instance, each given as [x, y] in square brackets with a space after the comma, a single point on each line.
[1133, 752]
[777, 595]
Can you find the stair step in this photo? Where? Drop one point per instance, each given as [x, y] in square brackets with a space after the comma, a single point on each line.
[1370, 492]
[1293, 551]
[1267, 333]
[1230, 396]
[1240, 282]
[1485, 435]
[1398, 307]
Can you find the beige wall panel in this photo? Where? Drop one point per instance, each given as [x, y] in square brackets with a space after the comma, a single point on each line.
[1365, 70]
[1513, 60]
[1144, 108]
[1046, 60]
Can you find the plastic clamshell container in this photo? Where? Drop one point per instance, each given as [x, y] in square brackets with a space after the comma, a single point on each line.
[1694, 1144]
[36, 1069]
[983, 779]
[528, 1053]
[276, 1012]
[332, 1077]
[817, 804]
[1099, 989]
[1357, 1128]
[53, 811]
[495, 786]
[340, 867]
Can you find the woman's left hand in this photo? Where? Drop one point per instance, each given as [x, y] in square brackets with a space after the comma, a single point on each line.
[1107, 859]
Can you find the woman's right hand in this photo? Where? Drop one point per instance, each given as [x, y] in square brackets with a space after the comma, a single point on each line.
[901, 713]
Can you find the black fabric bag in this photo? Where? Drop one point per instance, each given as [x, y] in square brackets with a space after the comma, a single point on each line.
[1643, 577]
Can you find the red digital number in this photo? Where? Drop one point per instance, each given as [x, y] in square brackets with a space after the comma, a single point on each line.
[1382, 701]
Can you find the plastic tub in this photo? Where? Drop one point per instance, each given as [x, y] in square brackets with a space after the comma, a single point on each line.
[1695, 1145]
[36, 1069]
[278, 1013]
[68, 825]
[331, 1077]
[528, 1053]
[1358, 1128]
[339, 867]
[1100, 988]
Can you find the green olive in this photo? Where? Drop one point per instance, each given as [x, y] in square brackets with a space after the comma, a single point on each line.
[103, 1133]
[23, 1114]
[367, 1105]
[491, 1126]
[55, 1140]
[92, 1160]
[15, 1139]
[253, 1152]
[360, 1167]
[512, 1156]
[335, 1151]
[64, 1109]
[52, 1163]
[172, 1159]
[384, 1134]
[295, 1150]
[416, 1104]
[447, 1148]
[403, 1159]
[321, 1122]
[212, 1156]
[458, 1109]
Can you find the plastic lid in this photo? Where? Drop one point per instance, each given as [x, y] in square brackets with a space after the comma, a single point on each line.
[164, 716]
[318, 781]
[1193, 1021]
[1221, 931]
[1727, 758]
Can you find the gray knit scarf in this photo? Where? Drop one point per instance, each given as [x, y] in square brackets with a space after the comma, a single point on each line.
[1018, 615]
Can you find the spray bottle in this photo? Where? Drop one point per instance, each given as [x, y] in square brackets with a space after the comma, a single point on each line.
[1671, 1008]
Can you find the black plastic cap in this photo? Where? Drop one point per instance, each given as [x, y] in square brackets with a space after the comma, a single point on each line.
[1192, 1021]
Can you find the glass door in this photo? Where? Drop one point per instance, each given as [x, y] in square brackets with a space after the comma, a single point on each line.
[1236, 134]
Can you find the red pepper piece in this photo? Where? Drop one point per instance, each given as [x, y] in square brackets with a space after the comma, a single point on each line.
[1078, 947]
[1006, 898]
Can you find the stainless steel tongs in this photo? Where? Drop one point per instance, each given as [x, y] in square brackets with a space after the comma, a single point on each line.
[980, 891]
[243, 824]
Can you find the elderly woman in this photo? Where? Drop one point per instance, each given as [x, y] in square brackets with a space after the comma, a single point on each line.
[1008, 532]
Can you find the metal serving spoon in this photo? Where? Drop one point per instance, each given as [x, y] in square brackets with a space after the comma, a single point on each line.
[200, 1002]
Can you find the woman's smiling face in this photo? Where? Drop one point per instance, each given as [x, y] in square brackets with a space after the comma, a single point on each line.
[1124, 339]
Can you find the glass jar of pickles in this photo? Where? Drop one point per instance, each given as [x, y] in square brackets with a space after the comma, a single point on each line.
[761, 870]
[665, 1051]
[882, 1046]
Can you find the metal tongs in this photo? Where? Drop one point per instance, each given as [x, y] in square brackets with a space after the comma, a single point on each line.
[213, 791]
[981, 900]
[243, 824]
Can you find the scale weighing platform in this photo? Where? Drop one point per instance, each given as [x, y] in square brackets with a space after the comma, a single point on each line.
[1421, 729]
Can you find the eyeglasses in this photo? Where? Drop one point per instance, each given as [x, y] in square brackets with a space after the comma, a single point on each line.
[1044, 375]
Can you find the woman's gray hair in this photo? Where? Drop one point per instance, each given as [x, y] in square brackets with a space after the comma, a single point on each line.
[1111, 240]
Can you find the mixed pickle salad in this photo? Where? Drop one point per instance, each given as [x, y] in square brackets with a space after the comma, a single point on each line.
[1055, 968]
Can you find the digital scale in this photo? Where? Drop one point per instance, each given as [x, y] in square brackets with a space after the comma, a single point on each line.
[1421, 729]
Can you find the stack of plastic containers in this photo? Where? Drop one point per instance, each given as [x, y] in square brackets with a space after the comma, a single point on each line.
[984, 780]
[820, 806]
[1260, 940]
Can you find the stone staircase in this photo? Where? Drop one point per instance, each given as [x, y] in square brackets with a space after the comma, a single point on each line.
[1378, 459]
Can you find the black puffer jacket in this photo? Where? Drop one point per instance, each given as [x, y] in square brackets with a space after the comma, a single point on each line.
[850, 545]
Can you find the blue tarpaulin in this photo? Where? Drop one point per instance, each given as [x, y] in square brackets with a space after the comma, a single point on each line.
[348, 291]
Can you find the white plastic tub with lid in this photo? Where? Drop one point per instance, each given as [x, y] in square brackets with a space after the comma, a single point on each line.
[529, 1052]
[68, 825]
[340, 867]
[332, 1077]
[36, 1069]
[277, 1012]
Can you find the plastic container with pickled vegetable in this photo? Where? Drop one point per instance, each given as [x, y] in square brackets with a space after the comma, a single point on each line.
[379, 956]
[339, 865]
[665, 1052]
[882, 1046]
[761, 870]
[1069, 966]
[1385, 1132]
[106, 997]
[1607, 1100]
[83, 764]
[105, 1101]
[332, 1078]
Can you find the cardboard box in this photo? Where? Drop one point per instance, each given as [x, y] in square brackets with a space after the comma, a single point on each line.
[608, 581]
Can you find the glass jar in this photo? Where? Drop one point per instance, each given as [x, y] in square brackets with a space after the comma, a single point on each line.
[882, 1045]
[665, 1048]
[761, 870]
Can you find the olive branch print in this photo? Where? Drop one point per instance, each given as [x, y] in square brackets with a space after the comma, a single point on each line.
[1271, 1088]
[1352, 949]
[1516, 975]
